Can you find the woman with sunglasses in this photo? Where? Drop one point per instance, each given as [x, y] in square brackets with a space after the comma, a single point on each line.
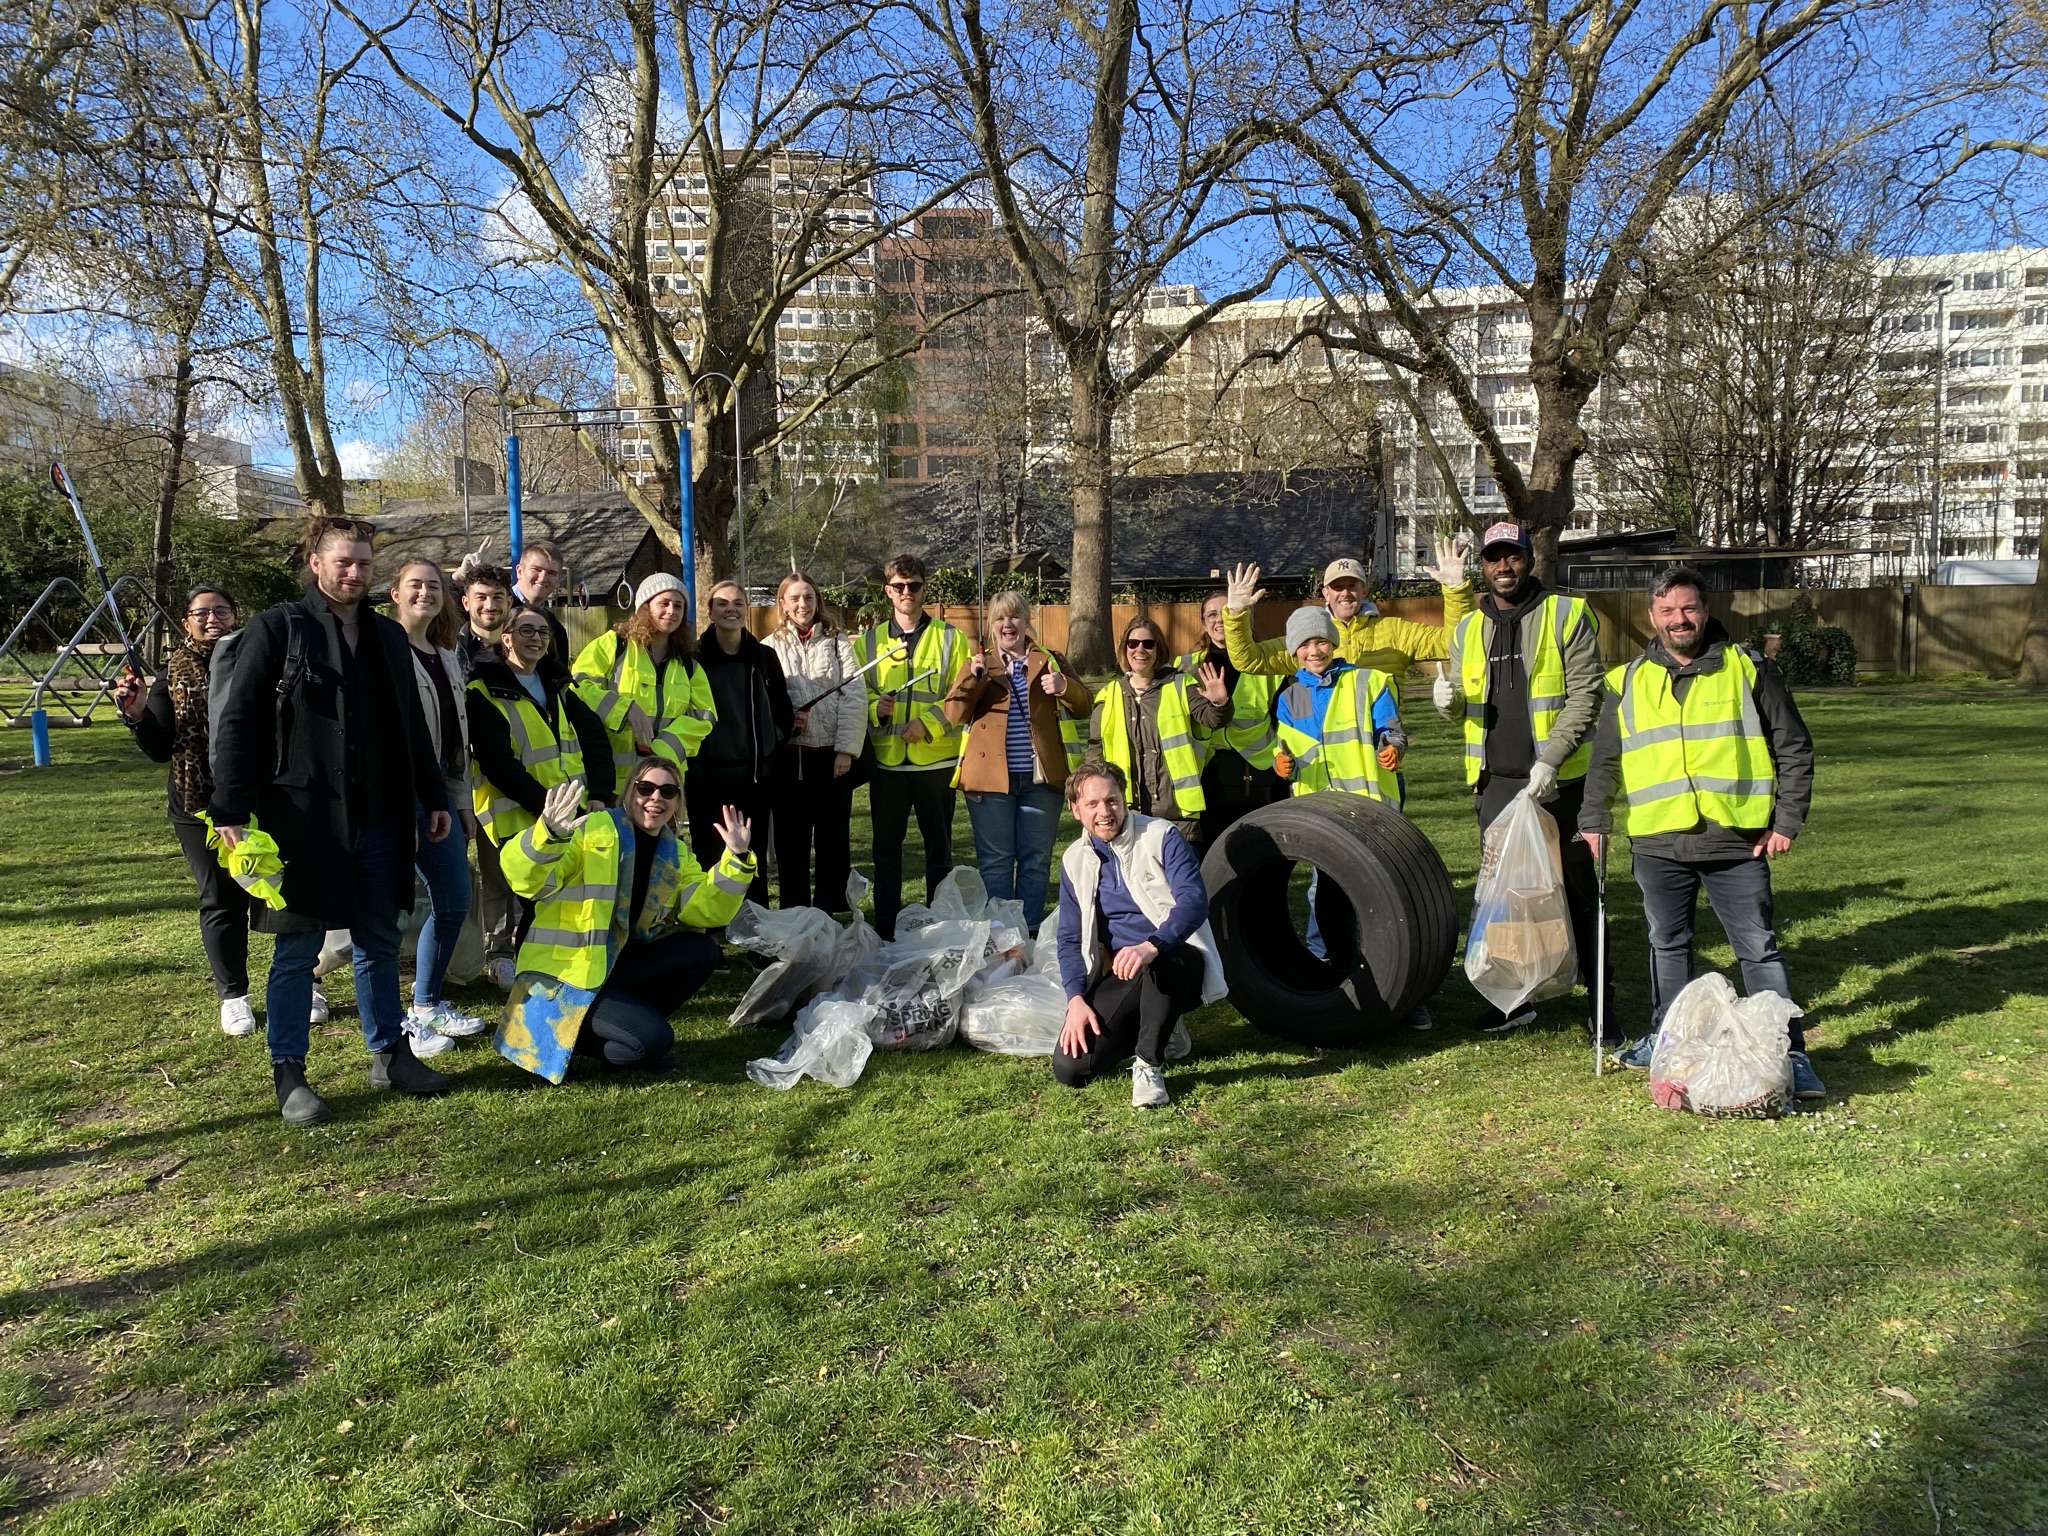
[643, 679]
[593, 879]
[1153, 723]
[170, 727]
[528, 731]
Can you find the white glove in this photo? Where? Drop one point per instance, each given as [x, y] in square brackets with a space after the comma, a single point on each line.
[1449, 569]
[1443, 692]
[1542, 782]
[558, 812]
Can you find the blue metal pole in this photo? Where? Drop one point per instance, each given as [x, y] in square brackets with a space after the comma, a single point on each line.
[686, 514]
[39, 736]
[512, 495]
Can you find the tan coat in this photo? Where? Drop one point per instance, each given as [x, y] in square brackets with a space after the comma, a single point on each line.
[982, 704]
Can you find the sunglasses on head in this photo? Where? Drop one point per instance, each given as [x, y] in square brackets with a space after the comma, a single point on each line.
[647, 789]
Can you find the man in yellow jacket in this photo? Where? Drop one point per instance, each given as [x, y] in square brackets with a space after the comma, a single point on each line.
[618, 938]
[1365, 638]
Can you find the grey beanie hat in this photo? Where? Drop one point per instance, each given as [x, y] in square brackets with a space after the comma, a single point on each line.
[1308, 624]
[653, 586]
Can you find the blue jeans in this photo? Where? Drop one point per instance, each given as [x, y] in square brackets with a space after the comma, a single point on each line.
[381, 853]
[1013, 836]
[1739, 891]
[445, 868]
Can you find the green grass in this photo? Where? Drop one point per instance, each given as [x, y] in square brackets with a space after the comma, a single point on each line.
[1451, 1285]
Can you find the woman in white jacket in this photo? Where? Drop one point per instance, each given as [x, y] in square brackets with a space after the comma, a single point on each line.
[813, 788]
[420, 602]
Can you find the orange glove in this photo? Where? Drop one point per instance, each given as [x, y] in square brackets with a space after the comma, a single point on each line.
[1283, 763]
[1390, 757]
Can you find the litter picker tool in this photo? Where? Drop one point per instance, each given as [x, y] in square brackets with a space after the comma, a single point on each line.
[62, 482]
[894, 653]
[1600, 962]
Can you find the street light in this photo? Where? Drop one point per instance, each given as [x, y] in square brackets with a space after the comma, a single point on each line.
[739, 499]
[1942, 287]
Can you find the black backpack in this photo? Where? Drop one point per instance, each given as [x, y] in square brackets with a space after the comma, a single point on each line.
[220, 677]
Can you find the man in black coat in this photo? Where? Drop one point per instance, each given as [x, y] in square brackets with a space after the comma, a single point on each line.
[321, 741]
[734, 765]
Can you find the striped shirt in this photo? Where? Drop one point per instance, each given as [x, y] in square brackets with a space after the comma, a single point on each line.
[1017, 730]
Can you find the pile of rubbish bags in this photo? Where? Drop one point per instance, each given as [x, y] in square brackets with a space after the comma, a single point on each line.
[1719, 1054]
[961, 968]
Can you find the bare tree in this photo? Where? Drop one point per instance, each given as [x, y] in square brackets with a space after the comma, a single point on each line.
[1546, 162]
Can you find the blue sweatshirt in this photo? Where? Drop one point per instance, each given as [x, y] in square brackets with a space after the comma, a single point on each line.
[1305, 702]
[1120, 913]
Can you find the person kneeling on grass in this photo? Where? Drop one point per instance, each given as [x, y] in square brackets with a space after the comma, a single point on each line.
[1134, 943]
[618, 940]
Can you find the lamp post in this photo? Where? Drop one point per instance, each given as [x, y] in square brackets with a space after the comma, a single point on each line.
[739, 499]
[1942, 287]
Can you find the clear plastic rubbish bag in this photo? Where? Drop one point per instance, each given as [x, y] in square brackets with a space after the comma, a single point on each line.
[1719, 1054]
[1019, 1015]
[811, 950]
[1520, 946]
[830, 1043]
[915, 984]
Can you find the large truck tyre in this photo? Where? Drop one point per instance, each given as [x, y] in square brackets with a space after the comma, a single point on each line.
[1388, 913]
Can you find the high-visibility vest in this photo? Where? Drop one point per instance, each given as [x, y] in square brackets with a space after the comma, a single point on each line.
[582, 919]
[1250, 731]
[1073, 728]
[613, 672]
[1561, 617]
[550, 757]
[1706, 757]
[1176, 737]
[941, 651]
[1343, 757]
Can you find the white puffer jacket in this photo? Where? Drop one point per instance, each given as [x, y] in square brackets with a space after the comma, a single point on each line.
[811, 666]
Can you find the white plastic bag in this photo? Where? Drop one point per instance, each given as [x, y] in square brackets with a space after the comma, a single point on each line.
[1719, 1054]
[1520, 946]
[915, 984]
[1020, 1015]
[830, 1043]
[812, 952]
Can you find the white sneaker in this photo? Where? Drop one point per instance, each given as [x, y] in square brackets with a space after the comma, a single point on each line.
[499, 969]
[451, 1021]
[1148, 1087]
[426, 1040]
[237, 1018]
[321, 1012]
[1178, 1046]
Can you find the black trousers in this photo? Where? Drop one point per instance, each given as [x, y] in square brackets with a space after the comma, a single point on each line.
[1232, 789]
[223, 910]
[628, 1024]
[705, 794]
[1581, 875]
[812, 808]
[893, 793]
[1136, 1015]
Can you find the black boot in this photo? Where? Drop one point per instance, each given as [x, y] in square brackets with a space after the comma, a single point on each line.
[299, 1103]
[399, 1068]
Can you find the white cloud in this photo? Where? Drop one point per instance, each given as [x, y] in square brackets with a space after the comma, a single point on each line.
[361, 459]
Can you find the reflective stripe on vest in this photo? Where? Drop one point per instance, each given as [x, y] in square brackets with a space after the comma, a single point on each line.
[1707, 757]
[1344, 757]
[540, 752]
[1176, 740]
[936, 648]
[1250, 731]
[1545, 673]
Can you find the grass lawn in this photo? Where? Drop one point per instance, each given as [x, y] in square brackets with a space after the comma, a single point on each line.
[1451, 1285]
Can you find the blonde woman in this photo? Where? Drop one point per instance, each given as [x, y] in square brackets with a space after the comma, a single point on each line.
[1023, 711]
[814, 779]
[643, 679]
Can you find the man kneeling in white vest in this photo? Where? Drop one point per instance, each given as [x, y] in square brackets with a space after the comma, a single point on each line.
[1135, 947]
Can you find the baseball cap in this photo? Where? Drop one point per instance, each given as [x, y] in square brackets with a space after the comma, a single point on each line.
[1346, 570]
[1507, 533]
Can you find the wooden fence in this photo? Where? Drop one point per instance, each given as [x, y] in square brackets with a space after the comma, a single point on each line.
[1927, 631]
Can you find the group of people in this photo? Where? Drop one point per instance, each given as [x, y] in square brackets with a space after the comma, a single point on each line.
[612, 796]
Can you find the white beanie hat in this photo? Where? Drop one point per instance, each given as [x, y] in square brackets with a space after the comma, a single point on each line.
[653, 586]
[1307, 624]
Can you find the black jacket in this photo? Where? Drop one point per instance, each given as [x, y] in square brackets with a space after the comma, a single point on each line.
[1791, 753]
[755, 715]
[490, 737]
[285, 758]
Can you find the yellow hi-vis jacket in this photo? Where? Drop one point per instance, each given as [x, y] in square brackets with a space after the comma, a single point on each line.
[942, 650]
[548, 757]
[613, 672]
[1184, 755]
[1250, 732]
[1366, 640]
[582, 894]
[1562, 618]
[1343, 757]
[1706, 757]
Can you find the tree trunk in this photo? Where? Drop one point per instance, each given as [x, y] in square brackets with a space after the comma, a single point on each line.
[2034, 649]
[1088, 639]
[182, 385]
[1553, 465]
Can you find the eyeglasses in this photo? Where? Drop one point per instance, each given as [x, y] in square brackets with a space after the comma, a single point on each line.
[1141, 645]
[906, 586]
[209, 613]
[530, 631]
[647, 791]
